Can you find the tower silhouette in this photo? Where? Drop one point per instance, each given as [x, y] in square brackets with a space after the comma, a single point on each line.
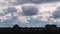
[16, 26]
[51, 27]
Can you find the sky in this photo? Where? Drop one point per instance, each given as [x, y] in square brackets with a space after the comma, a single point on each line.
[29, 13]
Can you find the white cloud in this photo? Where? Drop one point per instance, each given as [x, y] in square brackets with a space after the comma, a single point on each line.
[45, 13]
[8, 16]
[23, 19]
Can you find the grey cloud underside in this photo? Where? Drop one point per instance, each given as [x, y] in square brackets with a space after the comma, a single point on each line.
[18, 2]
[34, 1]
[10, 10]
[29, 10]
[1, 14]
[56, 14]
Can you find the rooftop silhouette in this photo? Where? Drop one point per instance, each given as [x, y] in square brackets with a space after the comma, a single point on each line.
[16, 28]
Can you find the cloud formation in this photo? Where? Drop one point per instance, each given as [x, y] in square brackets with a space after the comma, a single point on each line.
[10, 10]
[31, 13]
[17, 2]
[56, 13]
[29, 10]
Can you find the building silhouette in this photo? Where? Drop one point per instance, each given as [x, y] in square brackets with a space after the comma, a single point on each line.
[47, 28]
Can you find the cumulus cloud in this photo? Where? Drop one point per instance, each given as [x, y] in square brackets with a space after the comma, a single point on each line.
[6, 13]
[56, 13]
[29, 10]
[10, 10]
[5, 17]
[25, 13]
[22, 19]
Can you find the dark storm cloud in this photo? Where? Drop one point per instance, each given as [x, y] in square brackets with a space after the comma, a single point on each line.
[29, 10]
[10, 10]
[33, 1]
